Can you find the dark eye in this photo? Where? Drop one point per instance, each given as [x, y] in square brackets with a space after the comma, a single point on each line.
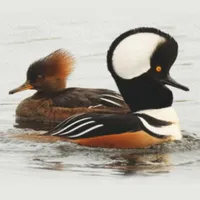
[40, 76]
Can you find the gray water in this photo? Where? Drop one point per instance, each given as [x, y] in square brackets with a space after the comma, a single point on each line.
[31, 30]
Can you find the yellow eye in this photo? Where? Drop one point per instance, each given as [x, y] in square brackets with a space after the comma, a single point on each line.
[158, 69]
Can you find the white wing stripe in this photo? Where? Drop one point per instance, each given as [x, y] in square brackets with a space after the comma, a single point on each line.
[65, 133]
[115, 97]
[96, 106]
[65, 122]
[111, 102]
[86, 131]
[65, 128]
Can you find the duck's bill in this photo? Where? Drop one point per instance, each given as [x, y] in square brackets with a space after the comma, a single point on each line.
[25, 86]
[170, 81]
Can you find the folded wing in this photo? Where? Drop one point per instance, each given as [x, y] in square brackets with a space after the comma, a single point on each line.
[93, 125]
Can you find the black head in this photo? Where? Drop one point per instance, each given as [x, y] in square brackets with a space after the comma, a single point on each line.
[140, 61]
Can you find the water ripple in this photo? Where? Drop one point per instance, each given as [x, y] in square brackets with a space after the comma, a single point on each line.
[32, 40]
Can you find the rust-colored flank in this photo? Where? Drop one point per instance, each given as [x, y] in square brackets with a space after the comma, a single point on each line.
[139, 139]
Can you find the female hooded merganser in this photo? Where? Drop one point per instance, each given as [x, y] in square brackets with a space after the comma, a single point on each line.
[139, 61]
[53, 102]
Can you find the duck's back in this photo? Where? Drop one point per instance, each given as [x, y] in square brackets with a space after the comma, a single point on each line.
[87, 97]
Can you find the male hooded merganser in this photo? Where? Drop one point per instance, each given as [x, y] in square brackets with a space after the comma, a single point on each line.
[139, 61]
[53, 102]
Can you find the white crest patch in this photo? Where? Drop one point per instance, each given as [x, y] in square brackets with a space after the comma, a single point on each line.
[164, 114]
[131, 57]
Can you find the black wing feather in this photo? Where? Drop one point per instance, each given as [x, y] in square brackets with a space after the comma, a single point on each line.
[92, 125]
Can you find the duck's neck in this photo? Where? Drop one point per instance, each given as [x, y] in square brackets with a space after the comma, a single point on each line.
[55, 85]
[50, 88]
[151, 103]
[144, 93]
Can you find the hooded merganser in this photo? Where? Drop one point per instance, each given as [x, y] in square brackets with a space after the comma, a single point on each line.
[139, 61]
[53, 102]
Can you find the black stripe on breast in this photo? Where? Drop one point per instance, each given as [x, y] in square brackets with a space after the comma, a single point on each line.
[154, 134]
[153, 121]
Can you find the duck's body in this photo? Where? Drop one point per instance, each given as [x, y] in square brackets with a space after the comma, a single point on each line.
[53, 102]
[139, 61]
[133, 130]
[55, 107]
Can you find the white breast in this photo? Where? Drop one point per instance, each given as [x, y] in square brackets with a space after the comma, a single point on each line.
[164, 114]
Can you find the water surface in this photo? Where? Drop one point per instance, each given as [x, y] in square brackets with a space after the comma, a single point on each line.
[87, 31]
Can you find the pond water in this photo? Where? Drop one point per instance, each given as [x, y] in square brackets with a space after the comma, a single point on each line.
[31, 31]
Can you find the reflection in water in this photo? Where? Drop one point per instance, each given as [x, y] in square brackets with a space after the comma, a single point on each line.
[111, 163]
[35, 125]
[65, 156]
[41, 164]
[141, 164]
